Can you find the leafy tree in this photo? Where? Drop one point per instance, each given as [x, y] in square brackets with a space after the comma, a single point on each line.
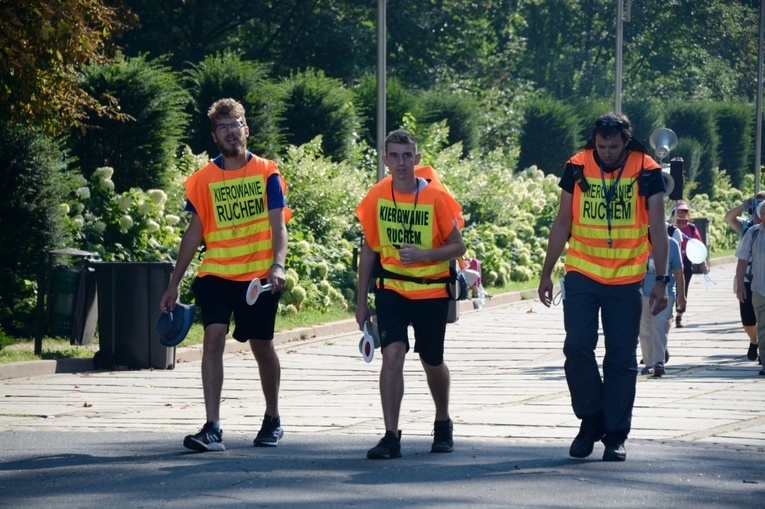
[398, 101]
[226, 75]
[43, 45]
[142, 149]
[32, 171]
[459, 110]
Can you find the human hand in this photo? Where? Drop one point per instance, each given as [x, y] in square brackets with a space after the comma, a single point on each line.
[409, 254]
[545, 290]
[277, 278]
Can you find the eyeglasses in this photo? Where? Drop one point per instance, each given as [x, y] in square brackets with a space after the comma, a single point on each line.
[607, 122]
[224, 128]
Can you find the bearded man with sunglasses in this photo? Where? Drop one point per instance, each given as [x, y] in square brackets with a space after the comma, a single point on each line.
[611, 192]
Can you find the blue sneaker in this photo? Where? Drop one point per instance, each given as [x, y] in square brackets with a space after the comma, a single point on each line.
[209, 438]
[646, 371]
[270, 432]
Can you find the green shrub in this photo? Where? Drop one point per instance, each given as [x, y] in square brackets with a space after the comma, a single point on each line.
[398, 103]
[31, 168]
[550, 133]
[318, 105]
[142, 149]
[696, 120]
[735, 122]
[226, 75]
[459, 110]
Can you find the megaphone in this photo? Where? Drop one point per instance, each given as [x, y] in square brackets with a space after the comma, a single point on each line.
[663, 140]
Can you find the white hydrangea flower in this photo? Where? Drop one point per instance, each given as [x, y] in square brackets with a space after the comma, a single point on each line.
[105, 172]
[83, 192]
[80, 180]
[172, 220]
[78, 222]
[168, 230]
[79, 207]
[124, 202]
[157, 196]
[145, 208]
[152, 226]
[106, 184]
[126, 222]
[63, 208]
[89, 217]
[99, 226]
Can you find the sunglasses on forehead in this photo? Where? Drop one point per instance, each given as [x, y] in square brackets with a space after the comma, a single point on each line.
[606, 122]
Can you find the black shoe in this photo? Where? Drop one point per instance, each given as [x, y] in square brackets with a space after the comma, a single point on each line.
[209, 438]
[387, 448]
[762, 372]
[270, 432]
[589, 433]
[615, 452]
[443, 440]
[751, 354]
[658, 370]
[666, 356]
[679, 322]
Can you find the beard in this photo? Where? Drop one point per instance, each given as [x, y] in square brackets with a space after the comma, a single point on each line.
[231, 147]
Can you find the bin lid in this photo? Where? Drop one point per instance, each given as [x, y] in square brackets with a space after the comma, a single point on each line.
[70, 251]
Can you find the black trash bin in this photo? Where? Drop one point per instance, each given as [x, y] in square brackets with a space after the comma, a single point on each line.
[702, 223]
[73, 311]
[128, 309]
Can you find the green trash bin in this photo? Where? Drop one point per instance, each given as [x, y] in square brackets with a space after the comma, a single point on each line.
[128, 309]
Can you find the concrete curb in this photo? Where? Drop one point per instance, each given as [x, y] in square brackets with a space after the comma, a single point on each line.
[194, 353]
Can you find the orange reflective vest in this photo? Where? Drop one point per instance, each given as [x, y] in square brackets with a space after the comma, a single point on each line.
[429, 174]
[588, 249]
[233, 208]
[427, 225]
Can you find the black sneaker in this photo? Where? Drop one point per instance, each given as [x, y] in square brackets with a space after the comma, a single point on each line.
[443, 440]
[270, 432]
[615, 452]
[666, 356]
[658, 370]
[209, 438]
[590, 431]
[387, 448]
[762, 372]
[751, 354]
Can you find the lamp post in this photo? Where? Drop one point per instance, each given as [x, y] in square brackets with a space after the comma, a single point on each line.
[381, 71]
[621, 18]
[758, 139]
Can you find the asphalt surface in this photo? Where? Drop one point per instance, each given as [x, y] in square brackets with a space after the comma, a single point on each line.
[71, 436]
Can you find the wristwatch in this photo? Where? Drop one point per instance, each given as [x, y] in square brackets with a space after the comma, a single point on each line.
[664, 278]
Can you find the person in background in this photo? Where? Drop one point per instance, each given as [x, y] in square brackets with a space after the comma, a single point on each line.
[610, 193]
[682, 218]
[751, 251]
[655, 328]
[740, 225]
[238, 208]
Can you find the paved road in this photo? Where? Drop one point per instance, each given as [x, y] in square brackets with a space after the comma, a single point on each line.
[88, 439]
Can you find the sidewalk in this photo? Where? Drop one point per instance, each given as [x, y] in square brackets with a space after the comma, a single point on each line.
[697, 432]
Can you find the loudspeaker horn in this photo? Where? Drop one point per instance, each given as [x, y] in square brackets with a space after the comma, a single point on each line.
[663, 140]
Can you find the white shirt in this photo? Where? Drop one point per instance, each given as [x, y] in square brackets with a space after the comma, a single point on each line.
[756, 251]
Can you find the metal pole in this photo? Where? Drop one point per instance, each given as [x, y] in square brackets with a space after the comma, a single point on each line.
[619, 37]
[758, 139]
[381, 72]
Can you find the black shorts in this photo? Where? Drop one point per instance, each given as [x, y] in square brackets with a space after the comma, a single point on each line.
[748, 316]
[218, 298]
[427, 317]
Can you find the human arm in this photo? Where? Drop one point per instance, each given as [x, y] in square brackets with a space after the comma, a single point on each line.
[740, 278]
[276, 275]
[190, 241]
[733, 219]
[680, 301]
[366, 265]
[559, 234]
[658, 297]
[454, 248]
